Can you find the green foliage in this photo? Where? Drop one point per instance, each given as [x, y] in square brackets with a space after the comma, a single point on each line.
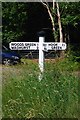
[56, 96]
[70, 13]
[73, 53]
[14, 17]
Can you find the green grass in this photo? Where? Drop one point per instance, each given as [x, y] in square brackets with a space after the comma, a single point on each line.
[55, 96]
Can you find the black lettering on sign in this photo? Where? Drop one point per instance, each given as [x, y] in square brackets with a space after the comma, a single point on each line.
[19, 44]
[26, 44]
[33, 44]
[19, 47]
[24, 47]
[45, 45]
[13, 48]
[63, 44]
[50, 44]
[28, 47]
[55, 44]
[12, 44]
[60, 48]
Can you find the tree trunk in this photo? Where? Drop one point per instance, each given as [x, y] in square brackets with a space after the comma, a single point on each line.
[54, 22]
[60, 28]
[59, 23]
[50, 14]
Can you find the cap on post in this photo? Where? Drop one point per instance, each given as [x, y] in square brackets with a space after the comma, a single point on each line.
[41, 34]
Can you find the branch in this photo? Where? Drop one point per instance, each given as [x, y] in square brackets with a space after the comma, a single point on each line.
[45, 5]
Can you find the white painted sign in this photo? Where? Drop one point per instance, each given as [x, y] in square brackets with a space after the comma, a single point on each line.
[35, 46]
[54, 46]
[23, 45]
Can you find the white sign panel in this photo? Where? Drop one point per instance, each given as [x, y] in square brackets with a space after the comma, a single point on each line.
[23, 46]
[55, 46]
[35, 46]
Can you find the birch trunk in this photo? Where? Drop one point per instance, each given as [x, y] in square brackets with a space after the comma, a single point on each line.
[59, 23]
[50, 14]
[60, 29]
[54, 22]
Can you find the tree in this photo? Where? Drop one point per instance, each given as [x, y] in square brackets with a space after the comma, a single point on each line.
[46, 5]
[67, 15]
[14, 16]
[59, 23]
[52, 18]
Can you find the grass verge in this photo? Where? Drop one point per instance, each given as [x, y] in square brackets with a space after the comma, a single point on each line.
[56, 96]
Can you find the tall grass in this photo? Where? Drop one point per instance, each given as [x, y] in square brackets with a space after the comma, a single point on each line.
[55, 96]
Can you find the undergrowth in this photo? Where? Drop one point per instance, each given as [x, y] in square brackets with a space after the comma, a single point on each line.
[55, 96]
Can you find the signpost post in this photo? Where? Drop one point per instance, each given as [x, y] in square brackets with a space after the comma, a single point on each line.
[41, 53]
[41, 56]
[42, 46]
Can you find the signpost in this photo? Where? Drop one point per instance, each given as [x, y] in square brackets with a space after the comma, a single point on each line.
[42, 46]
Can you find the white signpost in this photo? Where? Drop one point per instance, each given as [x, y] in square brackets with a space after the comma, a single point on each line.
[42, 46]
